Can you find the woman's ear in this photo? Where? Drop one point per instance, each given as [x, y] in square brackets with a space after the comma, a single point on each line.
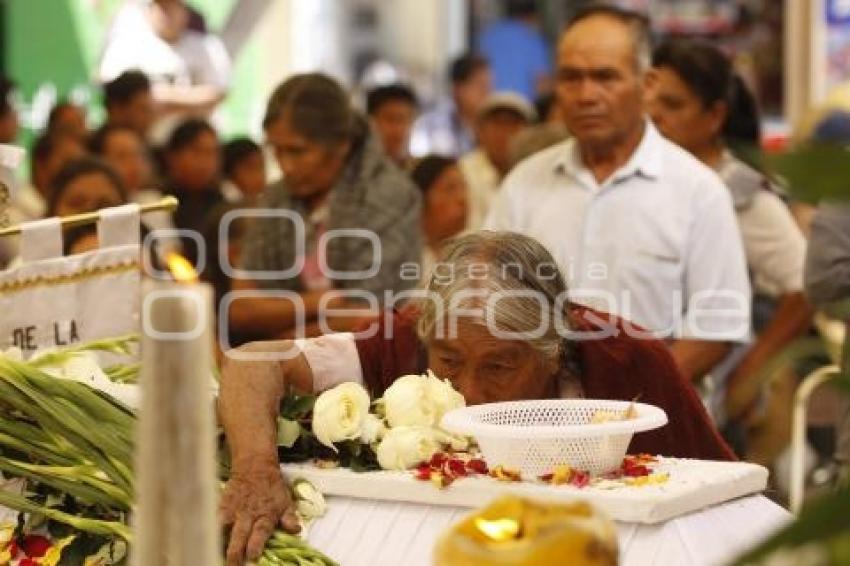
[719, 112]
[342, 150]
[650, 79]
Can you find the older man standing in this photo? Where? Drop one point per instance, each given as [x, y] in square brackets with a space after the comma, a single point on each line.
[633, 220]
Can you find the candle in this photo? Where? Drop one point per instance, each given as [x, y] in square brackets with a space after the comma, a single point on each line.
[177, 485]
[520, 532]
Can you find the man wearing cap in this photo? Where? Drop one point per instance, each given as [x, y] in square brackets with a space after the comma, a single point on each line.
[639, 227]
[500, 119]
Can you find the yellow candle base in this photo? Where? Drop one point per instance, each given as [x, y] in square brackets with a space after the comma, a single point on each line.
[520, 532]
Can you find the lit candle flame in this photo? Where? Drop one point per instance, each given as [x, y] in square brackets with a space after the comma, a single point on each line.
[181, 268]
[498, 530]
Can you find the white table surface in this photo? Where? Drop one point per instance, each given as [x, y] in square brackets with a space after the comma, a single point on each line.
[361, 532]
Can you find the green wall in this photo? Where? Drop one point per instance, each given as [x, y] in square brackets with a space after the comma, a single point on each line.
[57, 43]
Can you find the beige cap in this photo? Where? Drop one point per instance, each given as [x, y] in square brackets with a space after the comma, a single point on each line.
[508, 101]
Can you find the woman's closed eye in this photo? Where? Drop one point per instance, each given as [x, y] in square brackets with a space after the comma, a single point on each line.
[450, 361]
[497, 368]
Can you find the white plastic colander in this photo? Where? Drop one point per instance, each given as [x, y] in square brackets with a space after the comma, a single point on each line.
[535, 436]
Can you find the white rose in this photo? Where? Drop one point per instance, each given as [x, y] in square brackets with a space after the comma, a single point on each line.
[405, 447]
[339, 413]
[407, 402]
[309, 501]
[443, 396]
[373, 429]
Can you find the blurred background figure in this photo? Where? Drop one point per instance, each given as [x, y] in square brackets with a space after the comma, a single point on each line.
[548, 110]
[392, 111]
[123, 149]
[49, 154]
[129, 102]
[697, 101]
[85, 185]
[548, 130]
[192, 166]
[244, 169]
[449, 128]
[9, 121]
[189, 70]
[82, 184]
[68, 118]
[80, 240]
[502, 117]
[335, 175]
[517, 51]
[214, 272]
[444, 204]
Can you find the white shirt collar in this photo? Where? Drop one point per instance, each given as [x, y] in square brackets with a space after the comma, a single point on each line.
[644, 161]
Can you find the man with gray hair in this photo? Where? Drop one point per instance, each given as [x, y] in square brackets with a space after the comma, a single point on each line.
[638, 226]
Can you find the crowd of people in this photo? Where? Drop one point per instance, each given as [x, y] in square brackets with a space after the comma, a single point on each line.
[633, 179]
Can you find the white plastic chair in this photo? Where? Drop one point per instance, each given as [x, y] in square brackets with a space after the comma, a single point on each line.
[798, 430]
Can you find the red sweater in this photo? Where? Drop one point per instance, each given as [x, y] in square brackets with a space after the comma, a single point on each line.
[619, 367]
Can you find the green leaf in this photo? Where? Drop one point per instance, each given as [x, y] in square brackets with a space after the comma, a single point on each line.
[288, 432]
[358, 457]
[814, 172]
[123, 373]
[87, 545]
[296, 407]
[94, 526]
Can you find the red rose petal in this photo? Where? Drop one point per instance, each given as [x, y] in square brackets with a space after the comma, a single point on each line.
[477, 465]
[580, 479]
[35, 546]
[456, 468]
[437, 460]
[636, 471]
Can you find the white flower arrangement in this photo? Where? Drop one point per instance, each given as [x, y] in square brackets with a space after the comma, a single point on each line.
[403, 432]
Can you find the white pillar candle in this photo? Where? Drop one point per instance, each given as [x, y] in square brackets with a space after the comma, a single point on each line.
[177, 485]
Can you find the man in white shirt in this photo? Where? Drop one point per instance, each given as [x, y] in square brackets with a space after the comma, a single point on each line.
[639, 226]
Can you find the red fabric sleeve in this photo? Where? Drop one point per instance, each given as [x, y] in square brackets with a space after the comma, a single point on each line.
[390, 352]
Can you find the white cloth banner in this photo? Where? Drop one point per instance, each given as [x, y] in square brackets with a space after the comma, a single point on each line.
[51, 300]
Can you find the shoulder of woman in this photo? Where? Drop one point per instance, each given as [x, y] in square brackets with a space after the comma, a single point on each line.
[745, 182]
[600, 338]
[386, 185]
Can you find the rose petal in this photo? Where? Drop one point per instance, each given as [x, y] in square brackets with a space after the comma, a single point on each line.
[35, 546]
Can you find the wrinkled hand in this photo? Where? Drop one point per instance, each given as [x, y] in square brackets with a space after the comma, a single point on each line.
[254, 503]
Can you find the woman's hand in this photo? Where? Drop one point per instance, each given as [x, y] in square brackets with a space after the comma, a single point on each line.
[254, 504]
[256, 499]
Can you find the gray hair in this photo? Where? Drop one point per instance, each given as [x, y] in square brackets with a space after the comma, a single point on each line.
[486, 266]
[637, 23]
[317, 107]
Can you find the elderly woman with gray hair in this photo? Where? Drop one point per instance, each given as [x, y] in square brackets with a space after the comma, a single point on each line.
[495, 320]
